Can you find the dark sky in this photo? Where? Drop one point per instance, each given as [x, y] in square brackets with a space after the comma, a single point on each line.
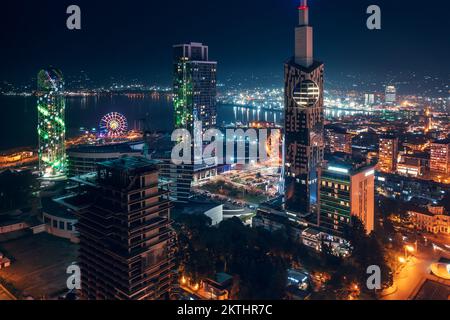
[133, 38]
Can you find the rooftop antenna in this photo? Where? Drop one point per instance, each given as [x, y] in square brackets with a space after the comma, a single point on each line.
[304, 37]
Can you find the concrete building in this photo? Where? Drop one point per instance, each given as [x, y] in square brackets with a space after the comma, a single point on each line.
[415, 164]
[431, 220]
[346, 190]
[440, 157]
[390, 95]
[406, 187]
[338, 140]
[219, 287]
[388, 154]
[212, 210]
[84, 159]
[59, 220]
[369, 99]
[126, 237]
[182, 177]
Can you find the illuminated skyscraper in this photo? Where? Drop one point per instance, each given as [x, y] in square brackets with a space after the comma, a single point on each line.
[390, 94]
[194, 90]
[388, 153]
[51, 124]
[369, 99]
[303, 121]
[194, 86]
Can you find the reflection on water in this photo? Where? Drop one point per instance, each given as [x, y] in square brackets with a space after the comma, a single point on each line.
[19, 115]
[86, 112]
[333, 113]
[246, 115]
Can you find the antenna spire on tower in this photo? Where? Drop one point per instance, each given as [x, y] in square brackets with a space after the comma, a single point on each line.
[303, 13]
[303, 37]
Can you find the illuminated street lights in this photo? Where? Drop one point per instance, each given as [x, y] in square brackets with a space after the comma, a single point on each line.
[410, 249]
[400, 261]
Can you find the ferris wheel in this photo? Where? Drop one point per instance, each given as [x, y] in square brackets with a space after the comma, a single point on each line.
[113, 124]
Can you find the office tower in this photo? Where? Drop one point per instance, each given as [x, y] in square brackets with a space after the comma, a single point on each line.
[390, 95]
[369, 99]
[194, 86]
[346, 190]
[303, 121]
[338, 140]
[440, 157]
[126, 238]
[51, 124]
[194, 90]
[388, 153]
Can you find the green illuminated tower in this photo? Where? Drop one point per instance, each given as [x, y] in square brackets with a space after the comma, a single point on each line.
[194, 86]
[51, 124]
[194, 99]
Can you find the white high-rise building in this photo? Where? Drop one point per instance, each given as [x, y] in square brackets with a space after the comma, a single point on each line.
[390, 94]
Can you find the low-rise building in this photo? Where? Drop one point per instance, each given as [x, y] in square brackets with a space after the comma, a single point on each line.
[431, 219]
[218, 288]
[273, 218]
[211, 209]
[298, 285]
[59, 220]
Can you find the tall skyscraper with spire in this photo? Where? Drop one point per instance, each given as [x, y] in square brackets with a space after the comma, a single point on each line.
[303, 122]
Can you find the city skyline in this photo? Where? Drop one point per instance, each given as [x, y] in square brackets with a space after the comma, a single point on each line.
[209, 189]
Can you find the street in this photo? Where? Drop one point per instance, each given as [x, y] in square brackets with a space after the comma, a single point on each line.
[412, 274]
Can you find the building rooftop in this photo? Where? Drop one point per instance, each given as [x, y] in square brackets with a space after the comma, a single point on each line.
[54, 208]
[387, 136]
[345, 164]
[39, 264]
[197, 206]
[444, 141]
[418, 155]
[335, 128]
[131, 164]
[432, 290]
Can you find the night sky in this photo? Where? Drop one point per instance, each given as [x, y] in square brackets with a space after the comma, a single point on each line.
[133, 39]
